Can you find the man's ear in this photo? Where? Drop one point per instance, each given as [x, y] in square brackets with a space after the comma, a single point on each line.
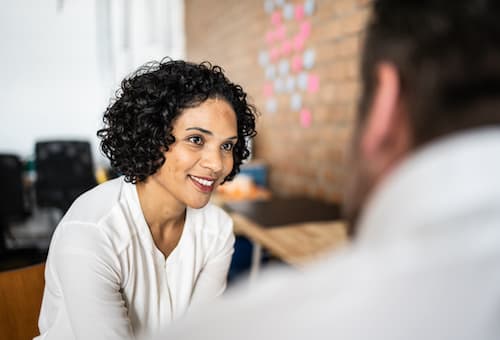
[381, 132]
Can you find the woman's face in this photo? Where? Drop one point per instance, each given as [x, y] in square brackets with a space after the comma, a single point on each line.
[202, 155]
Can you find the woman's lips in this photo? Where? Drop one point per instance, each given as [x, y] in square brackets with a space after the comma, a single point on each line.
[203, 183]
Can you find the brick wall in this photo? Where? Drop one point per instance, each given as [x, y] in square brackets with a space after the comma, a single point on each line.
[303, 160]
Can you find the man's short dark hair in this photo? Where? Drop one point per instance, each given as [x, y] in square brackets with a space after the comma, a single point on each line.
[447, 54]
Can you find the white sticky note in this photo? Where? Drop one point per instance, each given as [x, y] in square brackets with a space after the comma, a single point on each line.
[279, 85]
[269, 6]
[309, 7]
[309, 58]
[271, 105]
[302, 81]
[263, 58]
[296, 102]
[288, 11]
[271, 72]
[290, 84]
[284, 67]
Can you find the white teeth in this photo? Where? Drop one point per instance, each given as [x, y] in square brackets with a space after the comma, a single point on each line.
[203, 181]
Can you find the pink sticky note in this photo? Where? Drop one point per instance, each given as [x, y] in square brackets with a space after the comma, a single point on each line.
[276, 18]
[299, 12]
[313, 83]
[274, 53]
[297, 63]
[298, 42]
[280, 33]
[286, 48]
[268, 90]
[270, 37]
[305, 29]
[305, 118]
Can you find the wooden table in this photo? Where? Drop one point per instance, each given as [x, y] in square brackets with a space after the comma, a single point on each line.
[296, 230]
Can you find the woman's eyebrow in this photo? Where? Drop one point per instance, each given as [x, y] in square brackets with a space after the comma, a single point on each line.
[205, 131]
[201, 130]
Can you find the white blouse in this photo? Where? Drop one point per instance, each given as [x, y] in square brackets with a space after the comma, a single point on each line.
[105, 278]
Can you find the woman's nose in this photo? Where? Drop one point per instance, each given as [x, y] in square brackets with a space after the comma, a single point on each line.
[212, 159]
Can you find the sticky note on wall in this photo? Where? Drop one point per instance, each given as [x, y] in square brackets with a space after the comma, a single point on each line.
[279, 85]
[286, 48]
[290, 84]
[288, 11]
[269, 6]
[298, 42]
[302, 80]
[299, 12]
[276, 18]
[296, 63]
[280, 32]
[271, 105]
[268, 89]
[271, 72]
[309, 7]
[313, 83]
[296, 102]
[263, 58]
[284, 67]
[305, 118]
[309, 58]
[305, 29]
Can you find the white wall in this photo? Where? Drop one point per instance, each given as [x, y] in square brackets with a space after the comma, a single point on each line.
[49, 84]
[54, 81]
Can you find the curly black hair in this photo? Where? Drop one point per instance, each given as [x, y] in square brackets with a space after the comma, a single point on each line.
[138, 122]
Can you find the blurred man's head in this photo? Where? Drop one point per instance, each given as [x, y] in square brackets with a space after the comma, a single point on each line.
[429, 68]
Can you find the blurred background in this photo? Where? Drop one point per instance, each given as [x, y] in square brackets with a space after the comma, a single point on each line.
[63, 60]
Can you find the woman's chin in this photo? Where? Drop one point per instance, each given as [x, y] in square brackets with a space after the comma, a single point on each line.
[197, 204]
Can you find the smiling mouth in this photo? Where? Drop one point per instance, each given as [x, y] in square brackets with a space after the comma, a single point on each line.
[205, 185]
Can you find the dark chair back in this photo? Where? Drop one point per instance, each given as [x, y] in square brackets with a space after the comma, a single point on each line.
[12, 203]
[64, 171]
[14, 208]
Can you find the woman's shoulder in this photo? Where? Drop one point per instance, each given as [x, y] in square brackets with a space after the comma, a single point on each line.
[97, 216]
[96, 203]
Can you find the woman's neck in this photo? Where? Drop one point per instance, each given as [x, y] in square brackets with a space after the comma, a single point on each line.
[164, 214]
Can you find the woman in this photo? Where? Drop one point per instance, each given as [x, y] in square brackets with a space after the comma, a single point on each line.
[134, 253]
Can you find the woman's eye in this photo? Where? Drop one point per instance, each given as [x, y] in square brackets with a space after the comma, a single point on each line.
[196, 140]
[227, 146]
